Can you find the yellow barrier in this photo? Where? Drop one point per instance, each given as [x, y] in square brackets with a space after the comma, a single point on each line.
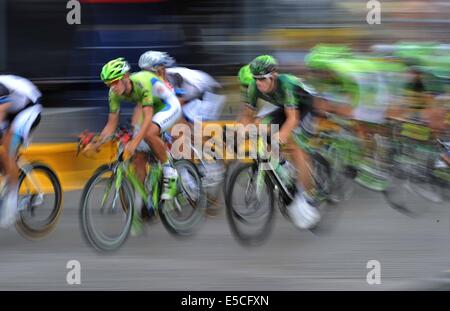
[73, 171]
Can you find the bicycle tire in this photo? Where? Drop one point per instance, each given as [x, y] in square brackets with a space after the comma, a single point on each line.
[22, 226]
[232, 215]
[190, 225]
[126, 197]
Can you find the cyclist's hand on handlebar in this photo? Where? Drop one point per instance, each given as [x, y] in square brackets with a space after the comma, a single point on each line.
[89, 142]
[85, 138]
[93, 146]
[281, 138]
[131, 147]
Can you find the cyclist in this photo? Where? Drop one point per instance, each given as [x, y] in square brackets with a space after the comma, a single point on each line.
[160, 111]
[20, 113]
[196, 91]
[194, 88]
[294, 102]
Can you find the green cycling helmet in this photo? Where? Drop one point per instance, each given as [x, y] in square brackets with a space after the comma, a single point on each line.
[245, 75]
[114, 70]
[322, 55]
[263, 65]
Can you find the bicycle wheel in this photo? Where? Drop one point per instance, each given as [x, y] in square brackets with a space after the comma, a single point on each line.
[230, 168]
[342, 185]
[322, 174]
[401, 196]
[250, 218]
[433, 186]
[414, 187]
[106, 214]
[183, 215]
[39, 202]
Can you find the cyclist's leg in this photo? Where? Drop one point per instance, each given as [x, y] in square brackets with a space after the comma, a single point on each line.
[299, 158]
[292, 151]
[302, 162]
[139, 162]
[162, 121]
[139, 159]
[302, 210]
[19, 133]
[153, 138]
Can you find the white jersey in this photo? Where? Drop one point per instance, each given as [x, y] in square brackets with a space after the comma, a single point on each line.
[19, 92]
[193, 82]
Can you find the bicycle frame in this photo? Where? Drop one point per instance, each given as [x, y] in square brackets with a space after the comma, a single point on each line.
[126, 169]
[27, 168]
[273, 176]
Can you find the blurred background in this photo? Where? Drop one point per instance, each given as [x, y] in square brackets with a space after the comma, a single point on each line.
[216, 36]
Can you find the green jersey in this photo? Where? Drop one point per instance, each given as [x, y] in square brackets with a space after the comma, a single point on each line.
[290, 92]
[142, 93]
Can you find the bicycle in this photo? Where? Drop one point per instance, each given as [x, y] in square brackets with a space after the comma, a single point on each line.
[415, 154]
[37, 184]
[122, 183]
[263, 184]
[203, 160]
[350, 160]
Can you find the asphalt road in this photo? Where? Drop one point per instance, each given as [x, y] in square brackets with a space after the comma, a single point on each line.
[413, 254]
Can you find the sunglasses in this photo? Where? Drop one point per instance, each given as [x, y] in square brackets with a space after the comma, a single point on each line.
[111, 83]
[262, 77]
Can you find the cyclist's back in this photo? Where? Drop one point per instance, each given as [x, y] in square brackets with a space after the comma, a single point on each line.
[197, 90]
[18, 91]
[193, 82]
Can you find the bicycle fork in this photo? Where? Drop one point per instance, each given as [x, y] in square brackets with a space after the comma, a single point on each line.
[35, 199]
[117, 180]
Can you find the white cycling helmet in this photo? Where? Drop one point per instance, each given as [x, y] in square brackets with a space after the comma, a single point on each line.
[150, 59]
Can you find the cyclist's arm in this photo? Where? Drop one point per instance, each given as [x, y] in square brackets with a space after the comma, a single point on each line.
[249, 98]
[110, 127]
[166, 95]
[113, 117]
[136, 118]
[322, 105]
[290, 103]
[247, 115]
[191, 92]
[292, 119]
[148, 116]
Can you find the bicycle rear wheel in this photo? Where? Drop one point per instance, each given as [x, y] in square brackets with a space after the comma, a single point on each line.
[184, 214]
[39, 201]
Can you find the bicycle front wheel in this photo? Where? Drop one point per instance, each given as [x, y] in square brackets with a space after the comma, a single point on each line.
[106, 212]
[39, 201]
[250, 215]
